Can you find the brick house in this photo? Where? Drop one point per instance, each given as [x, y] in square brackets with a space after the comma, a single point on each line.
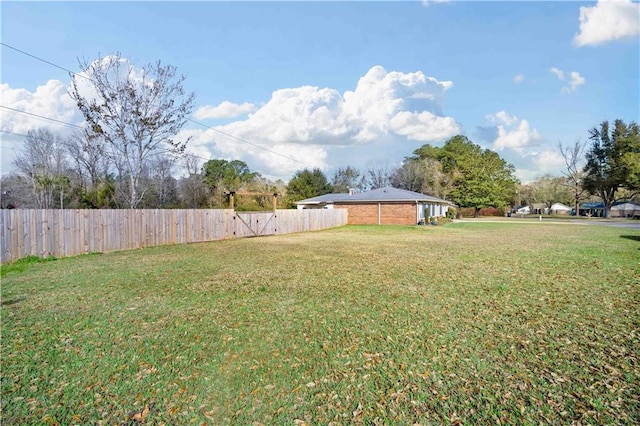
[383, 206]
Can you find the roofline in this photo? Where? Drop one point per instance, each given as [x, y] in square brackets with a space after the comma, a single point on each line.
[391, 201]
[374, 202]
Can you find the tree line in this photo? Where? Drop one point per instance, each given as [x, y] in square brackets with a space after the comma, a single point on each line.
[127, 155]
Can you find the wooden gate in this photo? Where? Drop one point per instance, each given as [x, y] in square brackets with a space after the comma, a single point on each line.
[254, 224]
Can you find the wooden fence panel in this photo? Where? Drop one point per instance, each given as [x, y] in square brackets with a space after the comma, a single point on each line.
[63, 233]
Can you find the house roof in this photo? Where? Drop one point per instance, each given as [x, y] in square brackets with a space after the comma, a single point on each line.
[625, 205]
[592, 205]
[600, 205]
[559, 206]
[387, 194]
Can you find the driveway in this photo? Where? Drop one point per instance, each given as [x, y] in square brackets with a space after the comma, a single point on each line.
[626, 224]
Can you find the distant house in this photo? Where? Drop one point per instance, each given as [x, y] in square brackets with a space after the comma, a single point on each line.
[559, 208]
[592, 209]
[625, 209]
[383, 206]
[539, 208]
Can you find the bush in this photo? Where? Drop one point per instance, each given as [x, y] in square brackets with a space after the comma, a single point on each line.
[443, 221]
[492, 211]
[452, 212]
[467, 212]
[487, 211]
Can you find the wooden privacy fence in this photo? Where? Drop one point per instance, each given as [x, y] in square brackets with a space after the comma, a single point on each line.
[62, 233]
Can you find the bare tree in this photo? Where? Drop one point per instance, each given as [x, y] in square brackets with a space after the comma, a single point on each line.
[347, 178]
[89, 156]
[162, 185]
[193, 192]
[573, 156]
[134, 112]
[16, 192]
[43, 163]
[378, 175]
[410, 176]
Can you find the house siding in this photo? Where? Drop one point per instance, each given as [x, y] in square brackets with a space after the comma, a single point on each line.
[390, 213]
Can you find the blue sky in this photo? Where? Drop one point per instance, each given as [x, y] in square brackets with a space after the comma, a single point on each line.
[330, 84]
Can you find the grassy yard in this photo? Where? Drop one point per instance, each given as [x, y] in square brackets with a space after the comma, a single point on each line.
[470, 323]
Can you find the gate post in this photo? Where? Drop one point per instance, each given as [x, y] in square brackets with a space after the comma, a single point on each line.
[275, 201]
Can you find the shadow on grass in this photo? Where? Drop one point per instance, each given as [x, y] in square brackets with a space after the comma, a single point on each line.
[631, 237]
[10, 302]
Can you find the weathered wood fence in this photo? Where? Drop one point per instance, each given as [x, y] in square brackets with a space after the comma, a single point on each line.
[62, 233]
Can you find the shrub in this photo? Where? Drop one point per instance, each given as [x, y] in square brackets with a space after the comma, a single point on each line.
[492, 211]
[467, 212]
[443, 221]
[487, 211]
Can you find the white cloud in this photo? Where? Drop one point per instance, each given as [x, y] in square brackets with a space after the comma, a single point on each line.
[423, 126]
[539, 163]
[502, 117]
[608, 20]
[513, 133]
[518, 79]
[50, 100]
[558, 72]
[516, 136]
[310, 124]
[428, 2]
[383, 116]
[522, 145]
[225, 110]
[575, 79]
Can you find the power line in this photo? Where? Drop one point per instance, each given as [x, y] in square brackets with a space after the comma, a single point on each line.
[245, 141]
[41, 117]
[14, 133]
[191, 120]
[37, 58]
[43, 60]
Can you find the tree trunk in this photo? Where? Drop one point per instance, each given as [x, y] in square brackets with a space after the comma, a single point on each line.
[133, 192]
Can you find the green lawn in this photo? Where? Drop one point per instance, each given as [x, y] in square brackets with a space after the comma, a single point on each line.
[473, 323]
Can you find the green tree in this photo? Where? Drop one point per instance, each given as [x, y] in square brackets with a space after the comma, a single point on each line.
[612, 161]
[222, 175]
[548, 190]
[229, 175]
[479, 178]
[307, 184]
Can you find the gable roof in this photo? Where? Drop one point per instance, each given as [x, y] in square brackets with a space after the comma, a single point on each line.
[600, 205]
[386, 194]
[625, 205]
[559, 206]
